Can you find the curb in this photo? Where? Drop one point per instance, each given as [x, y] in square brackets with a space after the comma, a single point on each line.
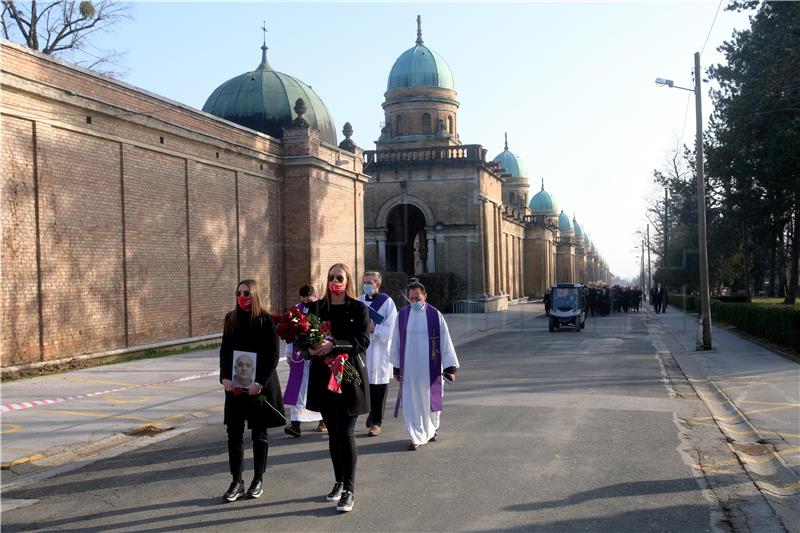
[778, 483]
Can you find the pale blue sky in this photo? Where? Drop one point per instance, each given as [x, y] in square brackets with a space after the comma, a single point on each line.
[571, 83]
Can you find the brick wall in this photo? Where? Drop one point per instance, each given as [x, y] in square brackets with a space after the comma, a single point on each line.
[149, 212]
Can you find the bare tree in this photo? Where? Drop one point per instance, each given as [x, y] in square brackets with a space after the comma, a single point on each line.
[64, 28]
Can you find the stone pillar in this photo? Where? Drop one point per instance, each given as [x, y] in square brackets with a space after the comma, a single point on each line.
[381, 243]
[431, 259]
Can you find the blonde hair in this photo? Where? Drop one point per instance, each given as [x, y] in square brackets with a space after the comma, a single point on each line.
[349, 291]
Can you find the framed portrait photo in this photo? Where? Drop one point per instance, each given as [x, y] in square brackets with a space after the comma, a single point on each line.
[244, 369]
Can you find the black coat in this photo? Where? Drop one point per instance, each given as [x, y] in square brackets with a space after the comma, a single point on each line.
[350, 324]
[258, 337]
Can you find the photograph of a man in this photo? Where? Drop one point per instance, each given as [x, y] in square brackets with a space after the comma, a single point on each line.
[244, 369]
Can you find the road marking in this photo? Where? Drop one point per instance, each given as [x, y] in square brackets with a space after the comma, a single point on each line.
[9, 428]
[133, 399]
[99, 415]
[15, 462]
[770, 403]
[738, 416]
[5, 408]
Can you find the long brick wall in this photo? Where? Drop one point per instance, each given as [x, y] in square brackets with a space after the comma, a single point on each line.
[127, 219]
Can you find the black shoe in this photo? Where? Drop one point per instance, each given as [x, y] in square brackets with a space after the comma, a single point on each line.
[255, 490]
[413, 447]
[235, 491]
[433, 439]
[293, 431]
[345, 502]
[336, 493]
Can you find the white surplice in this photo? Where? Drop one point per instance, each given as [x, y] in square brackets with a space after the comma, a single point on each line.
[298, 411]
[421, 423]
[379, 369]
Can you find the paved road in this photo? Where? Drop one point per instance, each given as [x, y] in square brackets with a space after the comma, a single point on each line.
[543, 432]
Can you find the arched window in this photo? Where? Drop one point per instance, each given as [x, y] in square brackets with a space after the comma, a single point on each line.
[399, 125]
[426, 123]
[450, 125]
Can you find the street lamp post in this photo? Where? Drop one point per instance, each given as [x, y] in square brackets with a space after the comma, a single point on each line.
[705, 298]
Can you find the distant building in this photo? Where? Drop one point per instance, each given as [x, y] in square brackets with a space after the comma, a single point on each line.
[434, 204]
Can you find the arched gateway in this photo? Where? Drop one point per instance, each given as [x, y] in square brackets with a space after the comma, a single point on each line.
[406, 240]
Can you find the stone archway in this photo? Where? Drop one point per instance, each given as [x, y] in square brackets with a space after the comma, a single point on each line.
[406, 239]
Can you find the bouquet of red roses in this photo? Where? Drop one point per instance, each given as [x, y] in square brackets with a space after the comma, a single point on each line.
[305, 331]
[302, 330]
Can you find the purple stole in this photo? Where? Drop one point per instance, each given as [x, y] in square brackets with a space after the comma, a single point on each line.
[434, 355]
[296, 368]
[377, 302]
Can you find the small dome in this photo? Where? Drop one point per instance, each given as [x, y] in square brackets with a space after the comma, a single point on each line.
[543, 204]
[420, 67]
[565, 225]
[262, 100]
[511, 163]
[577, 228]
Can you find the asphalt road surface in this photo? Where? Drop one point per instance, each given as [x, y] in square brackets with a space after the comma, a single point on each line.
[564, 431]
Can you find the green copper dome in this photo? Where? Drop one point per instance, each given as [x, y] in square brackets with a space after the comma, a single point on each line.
[511, 163]
[263, 100]
[577, 228]
[420, 67]
[565, 225]
[543, 204]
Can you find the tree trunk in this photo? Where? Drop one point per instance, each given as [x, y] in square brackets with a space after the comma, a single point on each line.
[748, 291]
[772, 256]
[791, 294]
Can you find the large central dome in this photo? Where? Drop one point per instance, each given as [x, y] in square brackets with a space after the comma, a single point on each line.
[420, 67]
[263, 100]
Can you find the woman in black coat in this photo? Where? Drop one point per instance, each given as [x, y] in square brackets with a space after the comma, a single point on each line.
[248, 340]
[349, 320]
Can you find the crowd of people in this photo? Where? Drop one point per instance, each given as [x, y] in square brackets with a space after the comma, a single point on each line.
[602, 299]
[411, 345]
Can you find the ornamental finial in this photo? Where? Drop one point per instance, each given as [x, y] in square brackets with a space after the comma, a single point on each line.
[264, 64]
[542, 183]
[419, 30]
[506, 134]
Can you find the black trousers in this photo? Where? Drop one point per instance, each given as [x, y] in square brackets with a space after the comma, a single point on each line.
[342, 444]
[236, 450]
[377, 399]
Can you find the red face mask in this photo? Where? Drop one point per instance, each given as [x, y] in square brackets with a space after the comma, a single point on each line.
[336, 288]
[245, 302]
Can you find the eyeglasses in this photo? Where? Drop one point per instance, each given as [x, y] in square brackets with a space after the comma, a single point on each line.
[336, 278]
[242, 293]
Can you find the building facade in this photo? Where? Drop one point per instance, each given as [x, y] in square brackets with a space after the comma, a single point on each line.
[434, 204]
[128, 219]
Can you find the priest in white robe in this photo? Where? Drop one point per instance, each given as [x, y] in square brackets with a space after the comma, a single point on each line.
[382, 317]
[423, 358]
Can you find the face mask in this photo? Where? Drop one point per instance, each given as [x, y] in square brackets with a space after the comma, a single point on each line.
[245, 302]
[417, 306]
[336, 288]
[369, 289]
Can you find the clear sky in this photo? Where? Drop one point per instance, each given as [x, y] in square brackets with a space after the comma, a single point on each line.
[572, 83]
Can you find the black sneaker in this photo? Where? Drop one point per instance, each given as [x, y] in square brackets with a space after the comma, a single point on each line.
[336, 493]
[413, 447]
[235, 491]
[293, 430]
[255, 490]
[345, 502]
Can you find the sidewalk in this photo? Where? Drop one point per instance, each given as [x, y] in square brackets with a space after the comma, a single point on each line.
[753, 395]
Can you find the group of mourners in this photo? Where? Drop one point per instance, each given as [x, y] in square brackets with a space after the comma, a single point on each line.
[412, 345]
[602, 299]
